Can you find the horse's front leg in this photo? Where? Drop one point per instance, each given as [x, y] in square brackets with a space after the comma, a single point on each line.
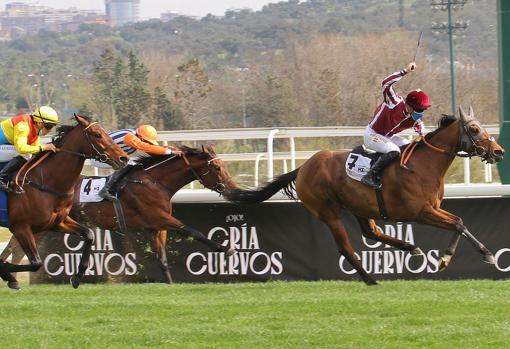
[173, 224]
[69, 225]
[446, 220]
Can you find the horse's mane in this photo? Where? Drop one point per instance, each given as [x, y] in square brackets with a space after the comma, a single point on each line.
[445, 121]
[147, 161]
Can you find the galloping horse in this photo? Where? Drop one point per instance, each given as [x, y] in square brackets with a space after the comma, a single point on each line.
[145, 196]
[411, 194]
[48, 193]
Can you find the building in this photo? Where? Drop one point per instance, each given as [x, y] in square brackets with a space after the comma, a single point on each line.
[21, 19]
[121, 12]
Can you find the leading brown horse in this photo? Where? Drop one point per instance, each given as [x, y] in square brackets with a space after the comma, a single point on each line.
[146, 193]
[48, 193]
[325, 189]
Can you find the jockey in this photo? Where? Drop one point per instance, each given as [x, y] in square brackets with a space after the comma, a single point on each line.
[20, 135]
[392, 116]
[135, 143]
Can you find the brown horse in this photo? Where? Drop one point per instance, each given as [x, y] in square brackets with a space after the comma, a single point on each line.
[145, 195]
[325, 189]
[48, 193]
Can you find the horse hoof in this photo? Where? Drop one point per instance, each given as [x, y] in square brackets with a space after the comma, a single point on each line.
[230, 252]
[75, 281]
[14, 285]
[417, 252]
[489, 258]
[444, 262]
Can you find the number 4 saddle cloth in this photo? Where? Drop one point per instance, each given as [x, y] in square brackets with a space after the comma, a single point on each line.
[90, 187]
[359, 162]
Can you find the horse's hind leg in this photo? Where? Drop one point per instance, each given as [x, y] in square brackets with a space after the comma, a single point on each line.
[342, 239]
[160, 248]
[6, 276]
[446, 220]
[26, 240]
[369, 230]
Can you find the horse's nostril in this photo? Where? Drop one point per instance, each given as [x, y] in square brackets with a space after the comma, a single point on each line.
[124, 159]
[500, 152]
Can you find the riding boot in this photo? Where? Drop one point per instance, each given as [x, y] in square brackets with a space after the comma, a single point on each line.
[373, 177]
[13, 165]
[106, 193]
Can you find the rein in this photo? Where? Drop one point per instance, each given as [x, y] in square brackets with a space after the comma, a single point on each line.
[197, 176]
[411, 147]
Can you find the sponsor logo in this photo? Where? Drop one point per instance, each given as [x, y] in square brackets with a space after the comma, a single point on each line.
[380, 258]
[103, 259]
[249, 259]
[503, 260]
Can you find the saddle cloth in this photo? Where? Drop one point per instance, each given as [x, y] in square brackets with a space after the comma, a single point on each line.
[359, 162]
[90, 187]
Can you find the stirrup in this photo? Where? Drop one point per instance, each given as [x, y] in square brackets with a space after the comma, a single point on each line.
[374, 183]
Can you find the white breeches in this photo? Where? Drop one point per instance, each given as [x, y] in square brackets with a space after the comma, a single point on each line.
[382, 144]
[8, 152]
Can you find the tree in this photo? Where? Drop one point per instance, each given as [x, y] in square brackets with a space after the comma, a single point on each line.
[135, 100]
[192, 89]
[164, 112]
[108, 76]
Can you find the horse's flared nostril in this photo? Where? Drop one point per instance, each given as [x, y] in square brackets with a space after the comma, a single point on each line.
[124, 159]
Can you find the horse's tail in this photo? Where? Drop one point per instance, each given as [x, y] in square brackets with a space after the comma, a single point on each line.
[285, 182]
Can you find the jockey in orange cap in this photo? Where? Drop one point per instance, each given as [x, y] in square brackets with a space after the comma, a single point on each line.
[19, 139]
[135, 143]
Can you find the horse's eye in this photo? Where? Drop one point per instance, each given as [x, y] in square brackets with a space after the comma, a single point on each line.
[98, 135]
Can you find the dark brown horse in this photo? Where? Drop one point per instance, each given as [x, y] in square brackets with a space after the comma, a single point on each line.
[49, 190]
[145, 196]
[325, 189]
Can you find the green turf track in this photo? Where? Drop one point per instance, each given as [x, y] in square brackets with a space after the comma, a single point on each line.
[400, 314]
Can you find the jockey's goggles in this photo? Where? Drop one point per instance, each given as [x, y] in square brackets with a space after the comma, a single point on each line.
[48, 125]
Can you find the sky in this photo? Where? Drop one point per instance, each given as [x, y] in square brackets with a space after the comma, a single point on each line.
[152, 8]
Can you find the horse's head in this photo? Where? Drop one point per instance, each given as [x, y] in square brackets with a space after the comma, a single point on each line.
[475, 140]
[100, 145]
[210, 170]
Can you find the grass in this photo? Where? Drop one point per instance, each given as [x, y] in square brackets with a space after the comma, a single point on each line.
[398, 314]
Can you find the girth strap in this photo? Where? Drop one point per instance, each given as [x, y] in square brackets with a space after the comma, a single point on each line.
[380, 201]
[119, 212]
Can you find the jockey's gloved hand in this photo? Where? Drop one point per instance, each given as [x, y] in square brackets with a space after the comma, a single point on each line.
[50, 147]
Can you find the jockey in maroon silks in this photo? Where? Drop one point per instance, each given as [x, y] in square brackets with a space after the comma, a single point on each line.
[392, 116]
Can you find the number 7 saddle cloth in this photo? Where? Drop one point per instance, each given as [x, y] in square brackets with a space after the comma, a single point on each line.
[359, 162]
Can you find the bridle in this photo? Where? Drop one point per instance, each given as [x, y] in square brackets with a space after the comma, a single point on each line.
[101, 156]
[462, 143]
[219, 187]
[484, 153]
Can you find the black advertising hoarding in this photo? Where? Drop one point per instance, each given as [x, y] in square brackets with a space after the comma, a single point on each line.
[282, 241]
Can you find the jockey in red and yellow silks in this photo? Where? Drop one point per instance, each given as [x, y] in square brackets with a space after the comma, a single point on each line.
[141, 141]
[19, 135]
